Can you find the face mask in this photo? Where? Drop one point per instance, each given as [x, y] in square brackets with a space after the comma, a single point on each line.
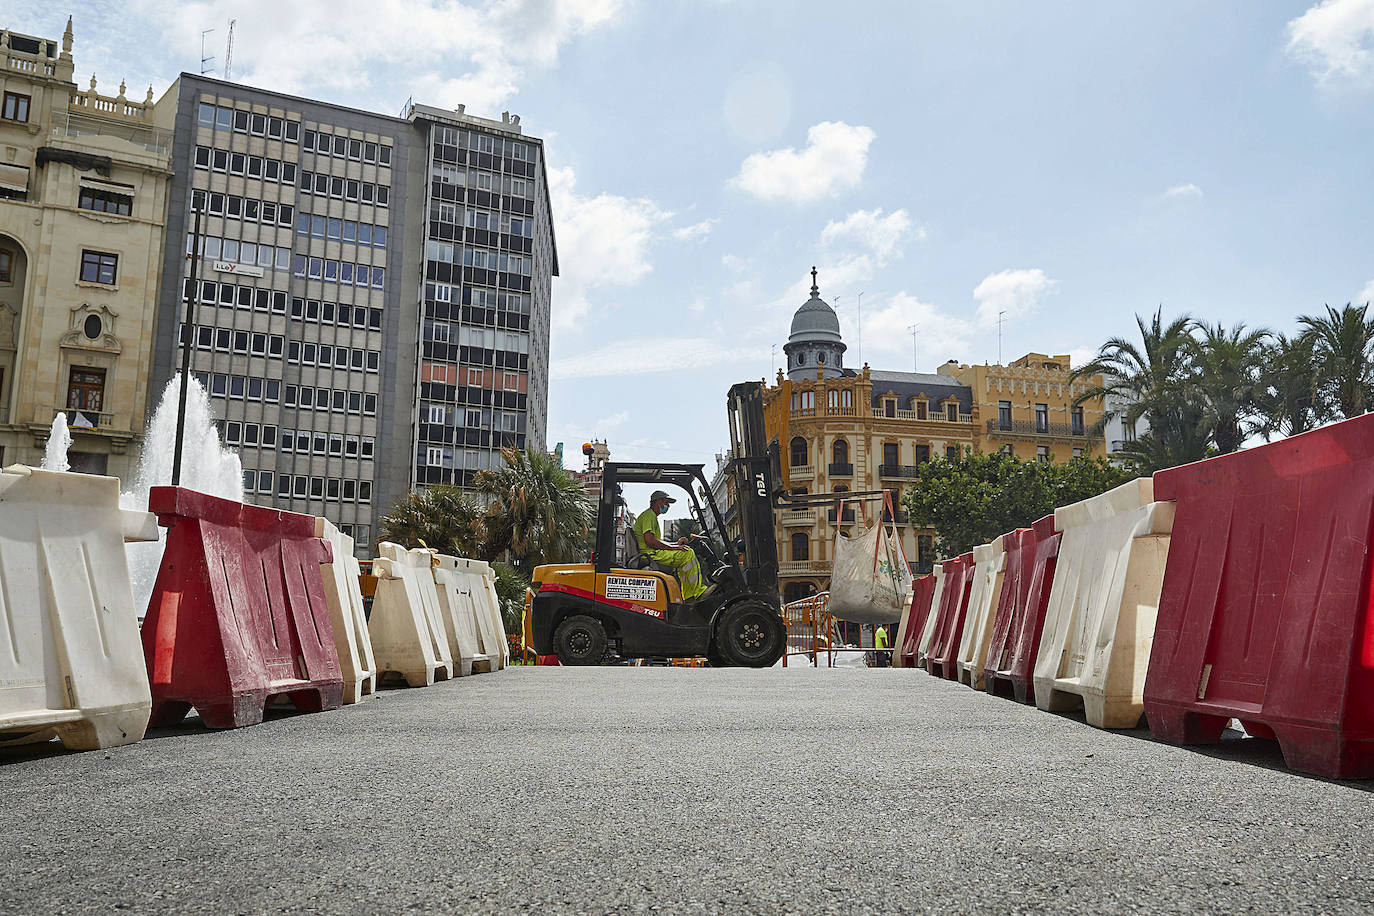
[663, 511]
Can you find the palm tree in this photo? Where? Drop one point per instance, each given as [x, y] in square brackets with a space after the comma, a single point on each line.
[1289, 400]
[1228, 368]
[442, 517]
[535, 511]
[1156, 381]
[1341, 343]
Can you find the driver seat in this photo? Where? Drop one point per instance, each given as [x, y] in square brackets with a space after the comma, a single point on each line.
[637, 559]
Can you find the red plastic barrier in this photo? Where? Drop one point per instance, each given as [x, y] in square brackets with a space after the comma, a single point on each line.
[238, 614]
[1031, 555]
[942, 659]
[922, 591]
[1265, 612]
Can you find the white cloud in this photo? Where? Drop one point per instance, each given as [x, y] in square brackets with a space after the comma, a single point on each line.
[650, 355]
[603, 241]
[870, 229]
[366, 53]
[696, 231]
[1184, 190]
[1335, 39]
[734, 263]
[1081, 356]
[887, 334]
[1016, 292]
[833, 159]
[1366, 294]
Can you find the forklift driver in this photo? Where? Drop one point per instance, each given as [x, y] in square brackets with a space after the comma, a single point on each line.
[680, 558]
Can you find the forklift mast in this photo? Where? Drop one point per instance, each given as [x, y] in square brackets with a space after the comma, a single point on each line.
[755, 466]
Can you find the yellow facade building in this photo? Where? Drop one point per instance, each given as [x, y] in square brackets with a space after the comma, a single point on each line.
[844, 430]
[83, 200]
[1027, 408]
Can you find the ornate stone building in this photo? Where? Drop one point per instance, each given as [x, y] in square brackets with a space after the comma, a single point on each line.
[83, 197]
[845, 430]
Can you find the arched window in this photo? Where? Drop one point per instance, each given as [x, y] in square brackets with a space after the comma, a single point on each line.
[801, 359]
[798, 452]
[801, 546]
[832, 398]
[840, 452]
[820, 358]
[848, 398]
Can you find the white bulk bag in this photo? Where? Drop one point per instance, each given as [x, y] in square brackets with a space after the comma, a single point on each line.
[869, 579]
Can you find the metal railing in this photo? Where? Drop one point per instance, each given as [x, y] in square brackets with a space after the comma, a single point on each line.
[1036, 428]
[841, 470]
[899, 470]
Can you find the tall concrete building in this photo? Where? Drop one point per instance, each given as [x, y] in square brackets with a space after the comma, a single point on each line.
[372, 303]
[83, 199]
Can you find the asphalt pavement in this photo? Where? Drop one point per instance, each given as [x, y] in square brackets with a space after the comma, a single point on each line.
[643, 789]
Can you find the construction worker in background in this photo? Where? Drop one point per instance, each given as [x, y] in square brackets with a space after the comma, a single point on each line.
[680, 558]
[882, 659]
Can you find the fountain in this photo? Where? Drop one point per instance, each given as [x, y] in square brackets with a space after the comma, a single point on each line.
[206, 466]
[59, 443]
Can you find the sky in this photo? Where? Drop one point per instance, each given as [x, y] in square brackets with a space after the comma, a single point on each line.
[1068, 164]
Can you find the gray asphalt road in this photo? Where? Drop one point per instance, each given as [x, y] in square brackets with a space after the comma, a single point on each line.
[609, 790]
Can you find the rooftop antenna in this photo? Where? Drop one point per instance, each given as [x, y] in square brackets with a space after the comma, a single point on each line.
[859, 330]
[203, 59]
[915, 363]
[229, 52]
[1001, 316]
[772, 360]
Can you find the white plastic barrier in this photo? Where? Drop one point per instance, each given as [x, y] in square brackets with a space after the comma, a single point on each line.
[1100, 622]
[989, 566]
[346, 613]
[407, 627]
[490, 627]
[459, 612]
[928, 631]
[71, 661]
[902, 625]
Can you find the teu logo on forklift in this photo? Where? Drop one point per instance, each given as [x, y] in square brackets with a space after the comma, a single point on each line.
[632, 588]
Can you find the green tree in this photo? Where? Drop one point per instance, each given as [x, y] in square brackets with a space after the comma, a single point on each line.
[1341, 343]
[1228, 379]
[1289, 400]
[536, 512]
[510, 591]
[974, 498]
[442, 517]
[1156, 380]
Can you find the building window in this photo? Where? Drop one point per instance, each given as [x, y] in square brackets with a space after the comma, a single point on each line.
[1042, 418]
[801, 546]
[922, 454]
[890, 454]
[1078, 427]
[1078, 453]
[889, 407]
[799, 457]
[99, 267]
[1006, 450]
[840, 452]
[952, 452]
[952, 413]
[16, 107]
[920, 410]
[832, 398]
[848, 399]
[6, 266]
[1004, 414]
[86, 389]
[105, 202]
[1042, 453]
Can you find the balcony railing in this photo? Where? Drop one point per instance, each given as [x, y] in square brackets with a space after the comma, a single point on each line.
[1036, 428]
[83, 419]
[848, 515]
[899, 470]
[803, 568]
[805, 517]
[801, 472]
[841, 470]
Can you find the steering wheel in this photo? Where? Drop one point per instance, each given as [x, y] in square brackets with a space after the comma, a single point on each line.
[705, 551]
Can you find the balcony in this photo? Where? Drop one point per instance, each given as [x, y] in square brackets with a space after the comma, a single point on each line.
[841, 470]
[1019, 429]
[797, 517]
[82, 419]
[848, 515]
[801, 472]
[903, 471]
[803, 568]
[900, 517]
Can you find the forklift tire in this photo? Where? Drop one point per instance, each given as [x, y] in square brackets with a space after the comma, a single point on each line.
[750, 634]
[580, 640]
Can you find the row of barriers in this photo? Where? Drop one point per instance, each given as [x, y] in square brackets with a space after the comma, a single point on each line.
[1233, 588]
[251, 607]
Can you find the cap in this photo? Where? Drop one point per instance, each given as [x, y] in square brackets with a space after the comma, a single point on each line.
[659, 494]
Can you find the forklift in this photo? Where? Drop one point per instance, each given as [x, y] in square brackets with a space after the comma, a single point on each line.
[587, 613]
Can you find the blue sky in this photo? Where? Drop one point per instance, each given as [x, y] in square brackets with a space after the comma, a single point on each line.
[1069, 163]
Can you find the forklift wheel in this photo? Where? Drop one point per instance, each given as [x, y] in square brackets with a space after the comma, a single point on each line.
[580, 640]
[750, 635]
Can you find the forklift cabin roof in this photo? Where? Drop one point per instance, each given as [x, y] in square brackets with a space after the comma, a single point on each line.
[681, 475]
